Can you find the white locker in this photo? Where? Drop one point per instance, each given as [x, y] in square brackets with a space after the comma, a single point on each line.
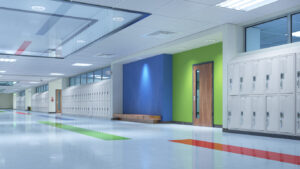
[287, 113]
[298, 114]
[247, 78]
[257, 77]
[241, 78]
[286, 74]
[245, 112]
[233, 116]
[272, 114]
[298, 73]
[258, 110]
[268, 75]
[233, 80]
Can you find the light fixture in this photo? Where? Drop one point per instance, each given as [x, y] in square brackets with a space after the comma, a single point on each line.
[38, 8]
[105, 56]
[296, 34]
[118, 19]
[56, 74]
[7, 60]
[82, 64]
[244, 5]
[81, 41]
[2, 71]
[34, 82]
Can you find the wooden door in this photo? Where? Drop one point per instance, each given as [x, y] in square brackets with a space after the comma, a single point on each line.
[58, 101]
[203, 94]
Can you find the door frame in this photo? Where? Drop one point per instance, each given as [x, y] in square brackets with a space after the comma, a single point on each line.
[213, 103]
[56, 104]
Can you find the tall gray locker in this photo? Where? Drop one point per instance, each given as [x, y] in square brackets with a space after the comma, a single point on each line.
[258, 111]
[233, 115]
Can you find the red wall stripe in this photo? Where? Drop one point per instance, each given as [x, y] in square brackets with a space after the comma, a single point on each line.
[23, 113]
[286, 158]
[23, 47]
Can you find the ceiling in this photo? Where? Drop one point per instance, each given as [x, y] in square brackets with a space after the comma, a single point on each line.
[170, 21]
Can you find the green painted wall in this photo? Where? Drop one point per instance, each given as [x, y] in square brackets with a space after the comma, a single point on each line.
[183, 81]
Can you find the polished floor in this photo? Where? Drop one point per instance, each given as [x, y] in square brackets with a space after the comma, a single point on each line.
[41, 141]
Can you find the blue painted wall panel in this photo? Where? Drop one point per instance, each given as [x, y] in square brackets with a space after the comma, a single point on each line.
[147, 87]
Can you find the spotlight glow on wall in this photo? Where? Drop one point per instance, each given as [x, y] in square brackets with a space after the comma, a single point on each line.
[245, 5]
[7, 60]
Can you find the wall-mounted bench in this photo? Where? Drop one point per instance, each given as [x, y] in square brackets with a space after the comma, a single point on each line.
[137, 118]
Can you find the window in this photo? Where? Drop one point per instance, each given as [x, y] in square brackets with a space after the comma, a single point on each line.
[106, 73]
[83, 79]
[72, 81]
[268, 34]
[296, 28]
[22, 93]
[42, 88]
[98, 75]
[90, 77]
[77, 80]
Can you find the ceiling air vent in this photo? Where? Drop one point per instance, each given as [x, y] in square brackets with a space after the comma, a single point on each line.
[160, 34]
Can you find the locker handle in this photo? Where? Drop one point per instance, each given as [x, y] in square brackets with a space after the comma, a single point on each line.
[298, 115]
[229, 113]
[268, 114]
[254, 114]
[242, 113]
[281, 115]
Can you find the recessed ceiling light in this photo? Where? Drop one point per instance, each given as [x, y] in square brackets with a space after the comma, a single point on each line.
[106, 56]
[81, 41]
[296, 34]
[2, 71]
[82, 64]
[56, 74]
[34, 82]
[118, 19]
[7, 60]
[38, 8]
[244, 5]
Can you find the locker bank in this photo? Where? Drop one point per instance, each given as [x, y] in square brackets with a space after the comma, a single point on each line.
[139, 84]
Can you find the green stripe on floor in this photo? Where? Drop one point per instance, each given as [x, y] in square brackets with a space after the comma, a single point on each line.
[86, 132]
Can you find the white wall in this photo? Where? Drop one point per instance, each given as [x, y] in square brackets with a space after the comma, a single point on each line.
[20, 102]
[53, 86]
[233, 43]
[6, 101]
[28, 94]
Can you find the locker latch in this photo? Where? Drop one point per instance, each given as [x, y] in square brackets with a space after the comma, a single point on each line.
[230, 83]
[253, 119]
[253, 82]
[242, 119]
[281, 119]
[281, 80]
[267, 81]
[241, 83]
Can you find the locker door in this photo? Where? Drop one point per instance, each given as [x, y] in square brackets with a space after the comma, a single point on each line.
[233, 79]
[258, 109]
[233, 112]
[298, 73]
[286, 75]
[268, 78]
[245, 115]
[287, 114]
[298, 113]
[241, 78]
[272, 114]
[248, 77]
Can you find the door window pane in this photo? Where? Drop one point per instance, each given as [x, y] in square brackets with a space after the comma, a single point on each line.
[98, 75]
[267, 34]
[90, 77]
[106, 73]
[296, 28]
[83, 79]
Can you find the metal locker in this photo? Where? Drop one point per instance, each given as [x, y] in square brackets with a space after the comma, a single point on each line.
[257, 77]
[287, 113]
[233, 118]
[233, 81]
[268, 75]
[245, 112]
[247, 77]
[241, 77]
[298, 73]
[258, 109]
[298, 114]
[286, 65]
[272, 114]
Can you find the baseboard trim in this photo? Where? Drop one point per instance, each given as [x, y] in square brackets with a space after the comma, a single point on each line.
[218, 126]
[184, 123]
[262, 134]
[52, 112]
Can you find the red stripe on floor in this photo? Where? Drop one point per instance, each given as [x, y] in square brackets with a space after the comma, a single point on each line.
[286, 158]
[23, 47]
[23, 113]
